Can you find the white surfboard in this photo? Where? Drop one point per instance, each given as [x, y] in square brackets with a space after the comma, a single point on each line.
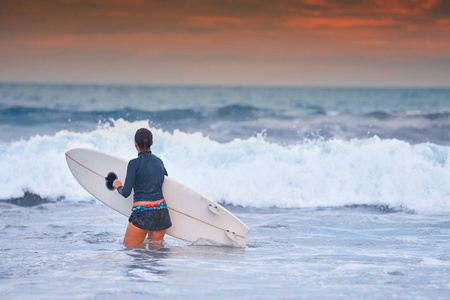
[194, 217]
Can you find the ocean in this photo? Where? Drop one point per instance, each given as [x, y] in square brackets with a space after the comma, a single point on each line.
[346, 191]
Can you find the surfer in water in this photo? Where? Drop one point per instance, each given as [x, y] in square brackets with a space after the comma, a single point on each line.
[145, 174]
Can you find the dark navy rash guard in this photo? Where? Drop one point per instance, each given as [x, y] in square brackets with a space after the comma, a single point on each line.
[145, 174]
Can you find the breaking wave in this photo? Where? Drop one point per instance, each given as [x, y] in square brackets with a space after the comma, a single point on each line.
[250, 172]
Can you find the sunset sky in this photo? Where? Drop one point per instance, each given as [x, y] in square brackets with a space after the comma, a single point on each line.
[227, 42]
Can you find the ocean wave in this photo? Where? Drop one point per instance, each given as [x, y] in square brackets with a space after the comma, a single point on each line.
[249, 172]
[25, 115]
[29, 199]
[227, 122]
[38, 116]
[436, 116]
[379, 115]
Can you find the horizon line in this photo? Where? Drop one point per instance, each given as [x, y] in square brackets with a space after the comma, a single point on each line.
[221, 85]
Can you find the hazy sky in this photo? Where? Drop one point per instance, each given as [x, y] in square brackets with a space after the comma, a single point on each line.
[245, 42]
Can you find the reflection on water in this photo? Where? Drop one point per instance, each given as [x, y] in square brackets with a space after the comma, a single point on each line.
[148, 263]
[151, 262]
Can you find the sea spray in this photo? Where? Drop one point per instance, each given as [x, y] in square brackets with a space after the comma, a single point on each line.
[247, 172]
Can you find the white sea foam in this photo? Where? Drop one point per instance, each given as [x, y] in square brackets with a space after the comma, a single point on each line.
[250, 172]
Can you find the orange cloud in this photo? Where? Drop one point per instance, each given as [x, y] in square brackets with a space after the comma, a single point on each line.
[315, 2]
[208, 21]
[443, 24]
[337, 22]
[404, 7]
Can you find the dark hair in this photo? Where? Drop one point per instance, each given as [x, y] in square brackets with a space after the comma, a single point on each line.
[143, 138]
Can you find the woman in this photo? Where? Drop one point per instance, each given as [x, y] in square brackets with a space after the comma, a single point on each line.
[146, 175]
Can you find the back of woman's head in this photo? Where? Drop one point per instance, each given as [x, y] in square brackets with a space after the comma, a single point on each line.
[144, 138]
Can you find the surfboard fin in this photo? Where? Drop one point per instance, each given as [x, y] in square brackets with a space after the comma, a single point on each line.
[231, 236]
[213, 208]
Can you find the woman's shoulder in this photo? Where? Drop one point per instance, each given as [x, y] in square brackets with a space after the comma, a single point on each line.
[156, 158]
[133, 161]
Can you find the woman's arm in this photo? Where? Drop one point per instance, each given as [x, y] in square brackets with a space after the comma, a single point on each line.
[129, 182]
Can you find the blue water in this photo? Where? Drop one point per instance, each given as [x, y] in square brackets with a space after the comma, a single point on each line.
[346, 191]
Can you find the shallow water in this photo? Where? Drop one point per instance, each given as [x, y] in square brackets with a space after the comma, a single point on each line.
[346, 192]
[69, 250]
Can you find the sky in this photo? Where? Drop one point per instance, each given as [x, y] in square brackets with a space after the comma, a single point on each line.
[365, 43]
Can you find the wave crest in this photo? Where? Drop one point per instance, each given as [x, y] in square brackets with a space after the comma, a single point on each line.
[247, 172]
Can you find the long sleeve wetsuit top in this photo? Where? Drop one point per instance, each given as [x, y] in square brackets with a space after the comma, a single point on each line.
[145, 174]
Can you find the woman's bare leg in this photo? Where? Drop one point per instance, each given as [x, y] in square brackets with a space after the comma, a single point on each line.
[134, 235]
[156, 236]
